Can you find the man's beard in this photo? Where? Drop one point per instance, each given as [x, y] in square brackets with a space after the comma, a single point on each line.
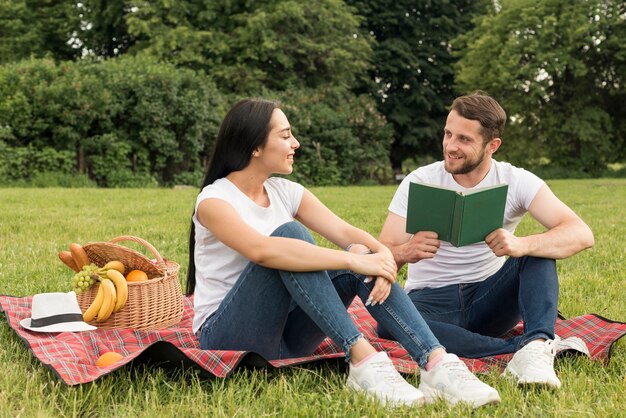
[467, 166]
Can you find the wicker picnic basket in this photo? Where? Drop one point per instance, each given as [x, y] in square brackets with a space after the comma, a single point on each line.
[155, 303]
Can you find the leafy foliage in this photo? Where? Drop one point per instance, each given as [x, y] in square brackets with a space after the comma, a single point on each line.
[38, 28]
[412, 77]
[135, 123]
[344, 140]
[107, 33]
[134, 91]
[558, 68]
[25, 162]
[247, 46]
[121, 119]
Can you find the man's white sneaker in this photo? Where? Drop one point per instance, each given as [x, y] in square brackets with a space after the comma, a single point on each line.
[377, 378]
[534, 364]
[452, 381]
[573, 345]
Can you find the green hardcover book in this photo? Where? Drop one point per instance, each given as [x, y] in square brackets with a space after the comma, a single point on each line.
[457, 217]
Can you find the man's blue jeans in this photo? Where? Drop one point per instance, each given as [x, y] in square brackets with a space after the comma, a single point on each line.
[468, 318]
[283, 314]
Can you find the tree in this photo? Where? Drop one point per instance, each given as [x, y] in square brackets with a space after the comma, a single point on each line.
[412, 77]
[558, 68]
[248, 45]
[105, 32]
[38, 28]
[343, 138]
[142, 102]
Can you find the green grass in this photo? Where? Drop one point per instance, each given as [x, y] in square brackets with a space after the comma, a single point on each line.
[37, 223]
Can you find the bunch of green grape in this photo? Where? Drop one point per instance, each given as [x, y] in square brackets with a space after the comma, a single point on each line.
[85, 278]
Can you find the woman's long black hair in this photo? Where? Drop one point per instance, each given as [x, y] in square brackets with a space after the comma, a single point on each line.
[244, 129]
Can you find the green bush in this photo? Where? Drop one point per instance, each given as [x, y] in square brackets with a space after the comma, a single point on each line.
[550, 171]
[122, 122]
[617, 170]
[188, 178]
[22, 164]
[343, 138]
[132, 122]
[126, 178]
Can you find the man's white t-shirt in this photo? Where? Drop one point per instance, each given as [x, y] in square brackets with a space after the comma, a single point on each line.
[475, 262]
[218, 266]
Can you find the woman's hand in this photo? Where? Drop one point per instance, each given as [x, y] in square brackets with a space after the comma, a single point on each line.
[380, 292]
[382, 287]
[375, 265]
[383, 256]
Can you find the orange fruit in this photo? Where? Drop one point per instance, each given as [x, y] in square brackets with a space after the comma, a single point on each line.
[108, 359]
[136, 276]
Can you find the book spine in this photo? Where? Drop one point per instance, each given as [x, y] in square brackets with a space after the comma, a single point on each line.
[457, 220]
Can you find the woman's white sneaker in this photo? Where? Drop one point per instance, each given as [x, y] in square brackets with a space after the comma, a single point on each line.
[534, 364]
[452, 381]
[378, 379]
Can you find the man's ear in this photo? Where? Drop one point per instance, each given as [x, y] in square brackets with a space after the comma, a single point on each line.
[493, 145]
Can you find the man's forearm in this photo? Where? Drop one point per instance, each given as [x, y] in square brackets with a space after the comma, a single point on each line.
[398, 254]
[560, 242]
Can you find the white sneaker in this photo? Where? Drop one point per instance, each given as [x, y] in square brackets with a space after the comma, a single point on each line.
[378, 379]
[534, 364]
[452, 381]
[573, 345]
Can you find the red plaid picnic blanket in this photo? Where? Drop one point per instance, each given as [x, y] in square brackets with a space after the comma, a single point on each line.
[72, 355]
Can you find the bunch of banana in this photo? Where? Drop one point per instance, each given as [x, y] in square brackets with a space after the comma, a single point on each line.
[112, 293]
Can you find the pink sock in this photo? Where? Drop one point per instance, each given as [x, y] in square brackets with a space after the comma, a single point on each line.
[363, 361]
[435, 361]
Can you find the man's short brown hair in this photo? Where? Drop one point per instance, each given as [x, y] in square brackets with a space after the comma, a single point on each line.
[485, 109]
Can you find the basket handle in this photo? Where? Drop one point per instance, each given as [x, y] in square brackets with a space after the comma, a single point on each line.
[142, 242]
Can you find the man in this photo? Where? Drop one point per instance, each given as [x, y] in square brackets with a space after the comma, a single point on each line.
[472, 295]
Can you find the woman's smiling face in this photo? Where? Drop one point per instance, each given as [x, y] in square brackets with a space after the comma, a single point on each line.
[278, 152]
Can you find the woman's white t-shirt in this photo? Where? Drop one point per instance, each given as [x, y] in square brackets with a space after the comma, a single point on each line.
[218, 266]
[474, 262]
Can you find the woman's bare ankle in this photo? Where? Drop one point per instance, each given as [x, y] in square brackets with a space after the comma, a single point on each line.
[360, 350]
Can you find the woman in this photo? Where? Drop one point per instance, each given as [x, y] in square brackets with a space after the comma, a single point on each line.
[261, 284]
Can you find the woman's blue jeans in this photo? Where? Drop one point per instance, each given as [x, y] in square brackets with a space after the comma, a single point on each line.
[468, 318]
[283, 314]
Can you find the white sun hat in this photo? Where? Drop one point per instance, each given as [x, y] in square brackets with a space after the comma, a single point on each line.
[56, 312]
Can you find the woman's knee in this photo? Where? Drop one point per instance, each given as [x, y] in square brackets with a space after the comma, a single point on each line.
[294, 230]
